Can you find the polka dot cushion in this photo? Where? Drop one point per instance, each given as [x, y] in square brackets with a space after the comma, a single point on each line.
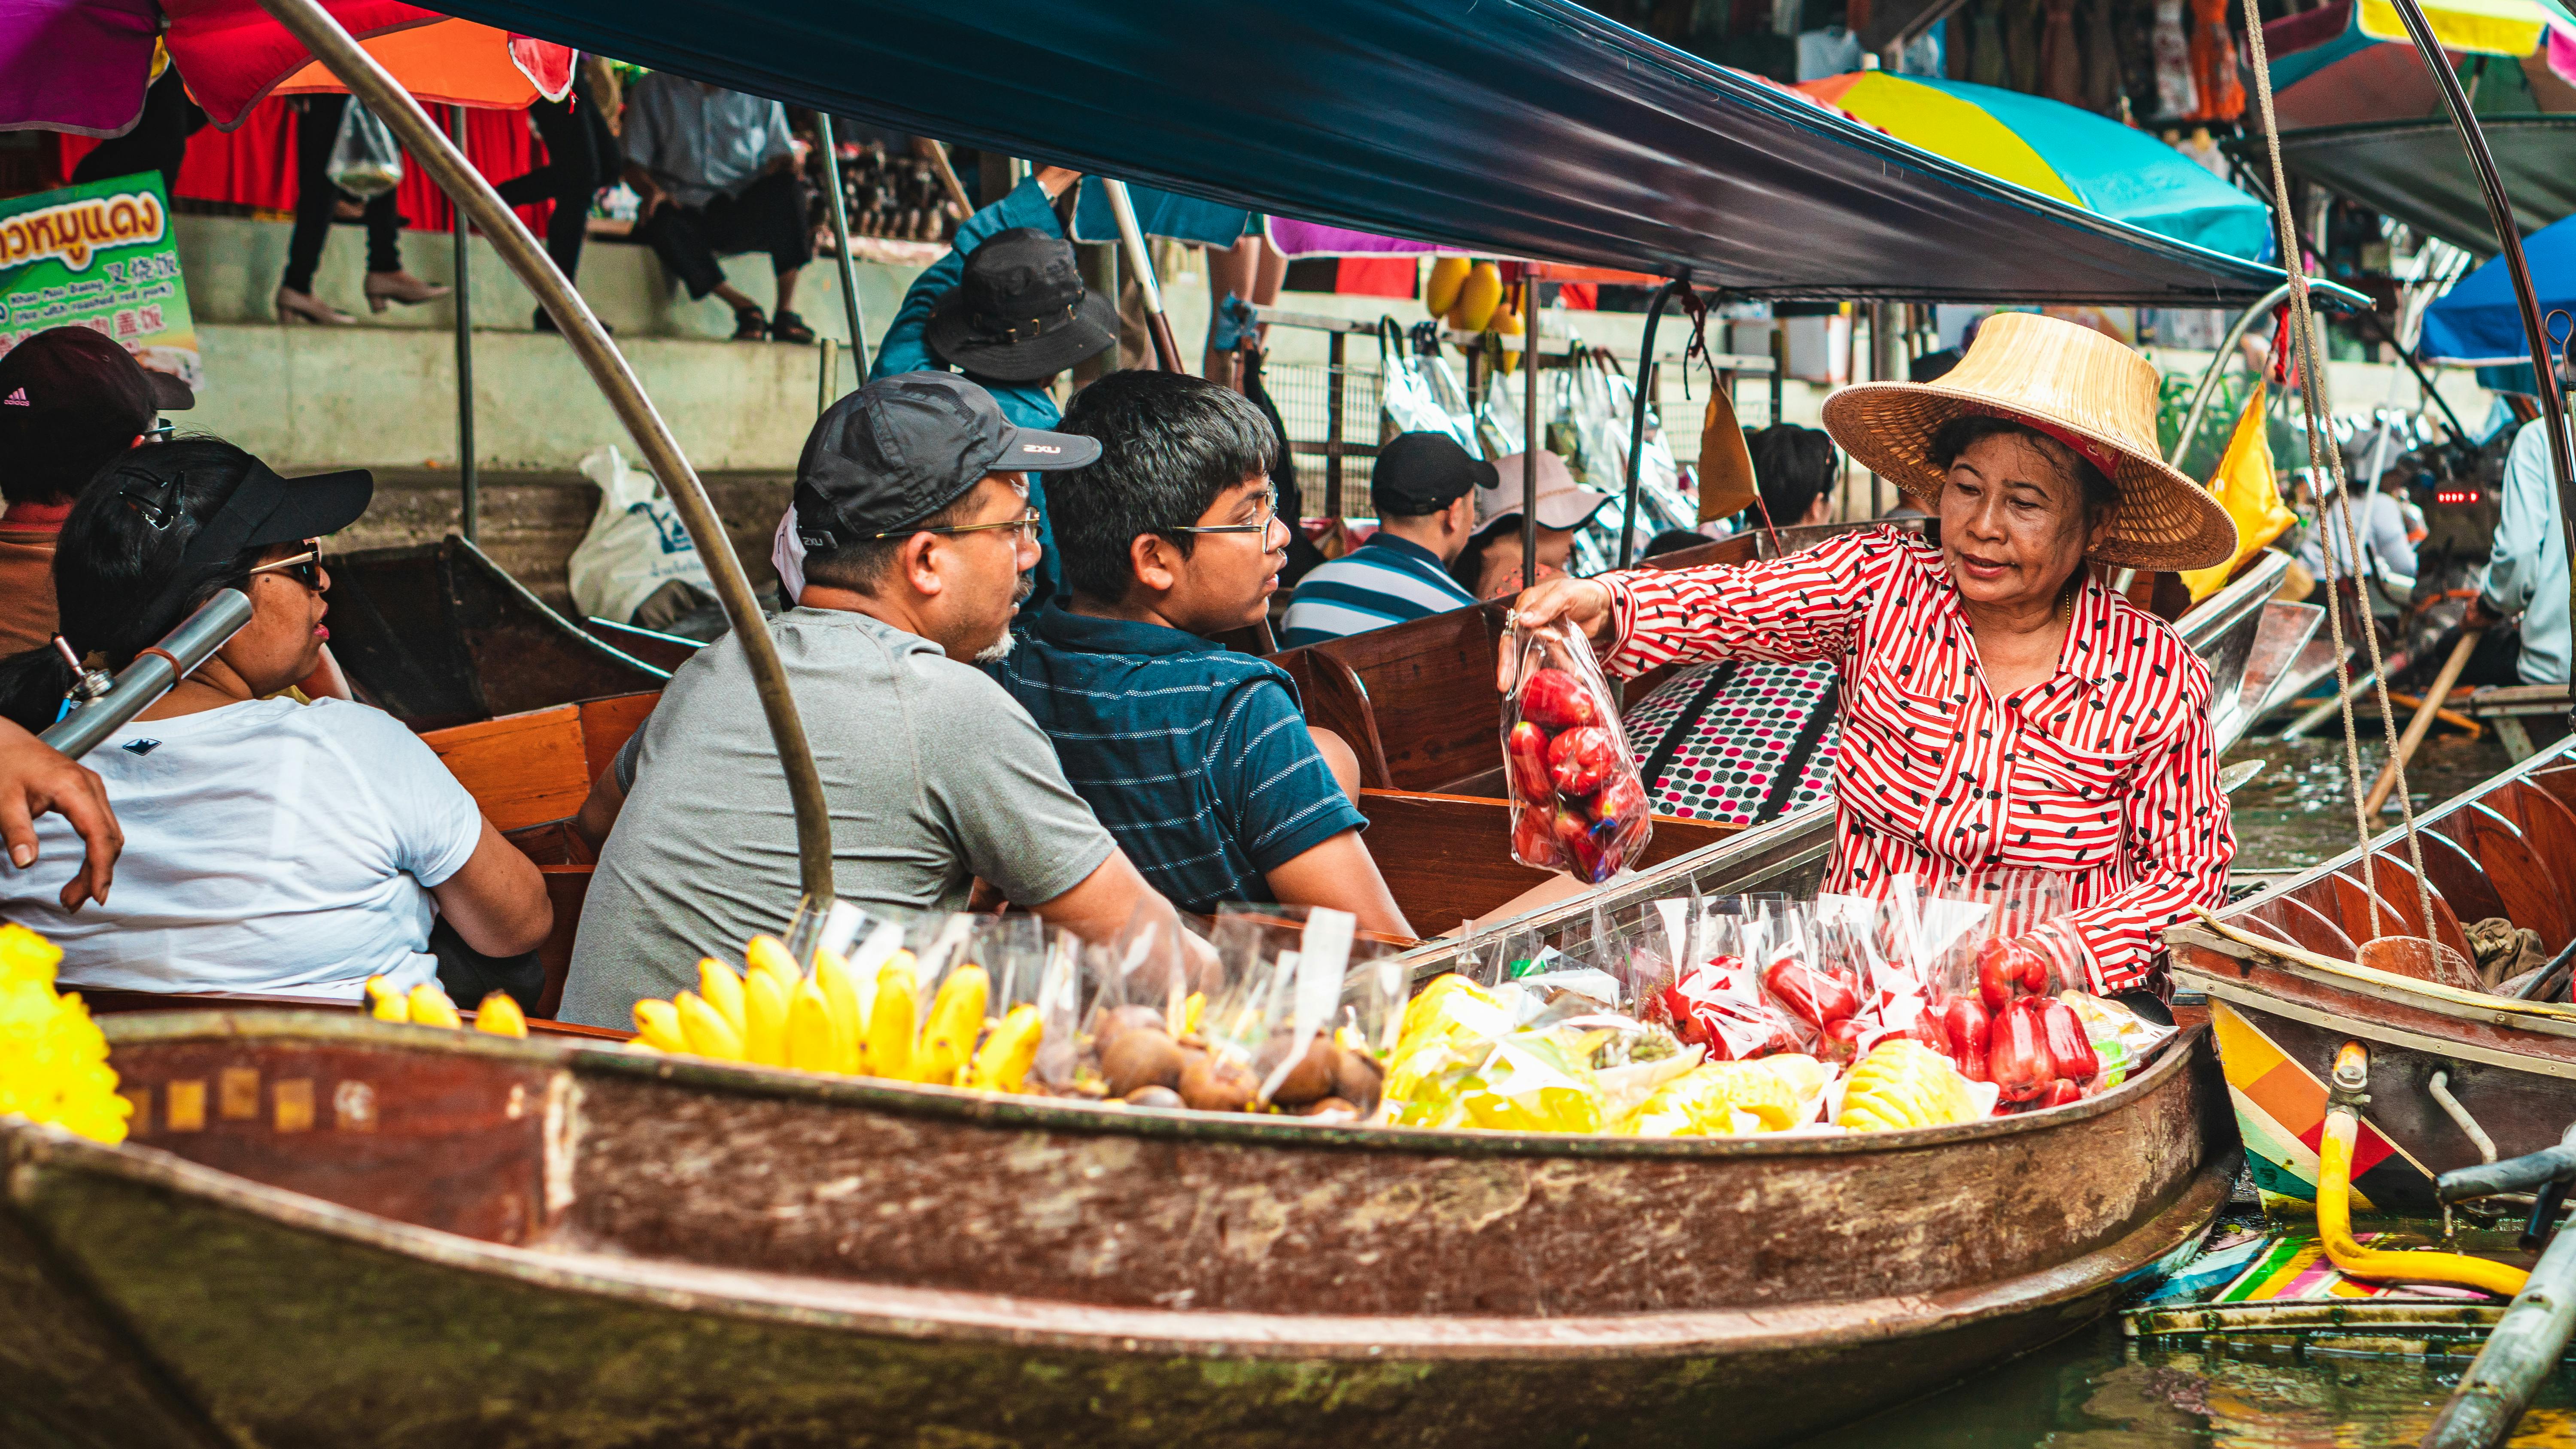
[1741, 740]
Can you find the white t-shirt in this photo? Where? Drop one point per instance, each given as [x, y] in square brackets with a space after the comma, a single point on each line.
[269, 846]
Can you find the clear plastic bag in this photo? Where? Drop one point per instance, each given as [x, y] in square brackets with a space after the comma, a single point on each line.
[1409, 395]
[365, 159]
[1578, 802]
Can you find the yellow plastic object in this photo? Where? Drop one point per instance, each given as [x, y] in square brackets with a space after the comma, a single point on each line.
[500, 1015]
[1903, 1083]
[430, 1007]
[2244, 486]
[764, 1018]
[2334, 1227]
[53, 1059]
[956, 1018]
[1440, 289]
[657, 1025]
[722, 988]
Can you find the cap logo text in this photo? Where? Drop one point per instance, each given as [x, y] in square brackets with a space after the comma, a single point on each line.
[17, 399]
[1040, 448]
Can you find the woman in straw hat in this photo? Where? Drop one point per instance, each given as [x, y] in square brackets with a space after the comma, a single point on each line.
[2002, 710]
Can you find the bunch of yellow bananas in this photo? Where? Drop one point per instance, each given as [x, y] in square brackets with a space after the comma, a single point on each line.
[1777, 1092]
[1903, 1083]
[426, 1005]
[831, 1021]
[1468, 296]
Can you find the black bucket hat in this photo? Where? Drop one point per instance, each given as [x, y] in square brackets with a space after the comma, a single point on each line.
[1020, 311]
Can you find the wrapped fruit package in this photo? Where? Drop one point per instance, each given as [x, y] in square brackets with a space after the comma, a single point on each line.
[1578, 802]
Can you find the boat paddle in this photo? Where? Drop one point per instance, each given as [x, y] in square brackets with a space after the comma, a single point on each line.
[2422, 724]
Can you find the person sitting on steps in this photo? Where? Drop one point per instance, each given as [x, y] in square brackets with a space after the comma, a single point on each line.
[716, 172]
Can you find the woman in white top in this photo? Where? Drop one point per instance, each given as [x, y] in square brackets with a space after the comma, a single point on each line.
[270, 846]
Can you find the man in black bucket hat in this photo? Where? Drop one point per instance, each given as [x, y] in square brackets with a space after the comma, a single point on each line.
[1006, 307]
[911, 499]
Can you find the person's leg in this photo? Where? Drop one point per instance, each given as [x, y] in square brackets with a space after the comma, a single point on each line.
[568, 179]
[315, 197]
[771, 213]
[2494, 662]
[1231, 271]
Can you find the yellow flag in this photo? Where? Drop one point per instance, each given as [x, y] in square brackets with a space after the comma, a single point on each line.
[2243, 485]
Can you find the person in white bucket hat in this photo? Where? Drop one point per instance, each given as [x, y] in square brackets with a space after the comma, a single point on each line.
[1491, 565]
[2003, 711]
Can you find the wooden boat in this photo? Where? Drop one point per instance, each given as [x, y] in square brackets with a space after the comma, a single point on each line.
[2500, 850]
[326, 1230]
[437, 634]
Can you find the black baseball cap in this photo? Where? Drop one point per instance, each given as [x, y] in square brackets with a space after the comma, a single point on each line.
[1019, 311]
[265, 510]
[71, 399]
[1420, 473]
[900, 449]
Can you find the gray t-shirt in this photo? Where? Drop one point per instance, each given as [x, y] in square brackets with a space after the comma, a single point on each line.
[935, 776]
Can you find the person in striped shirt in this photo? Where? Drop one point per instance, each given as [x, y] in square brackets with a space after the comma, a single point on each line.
[1424, 489]
[1197, 759]
[2002, 711]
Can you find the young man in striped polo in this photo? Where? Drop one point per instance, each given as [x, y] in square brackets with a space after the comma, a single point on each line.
[1424, 488]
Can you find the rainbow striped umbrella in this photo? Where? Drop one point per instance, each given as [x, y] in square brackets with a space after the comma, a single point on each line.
[2057, 150]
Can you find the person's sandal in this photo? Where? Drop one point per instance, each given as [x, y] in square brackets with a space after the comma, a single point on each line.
[750, 324]
[788, 327]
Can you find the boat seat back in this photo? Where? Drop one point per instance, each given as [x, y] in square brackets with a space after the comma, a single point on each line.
[1445, 861]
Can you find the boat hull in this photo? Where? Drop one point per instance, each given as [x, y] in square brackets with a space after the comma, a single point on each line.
[704, 1254]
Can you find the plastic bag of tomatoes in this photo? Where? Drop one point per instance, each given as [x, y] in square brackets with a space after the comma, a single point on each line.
[1578, 803]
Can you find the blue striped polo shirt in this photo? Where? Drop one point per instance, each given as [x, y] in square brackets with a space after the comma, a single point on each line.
[1386, 580]
[1196, 759]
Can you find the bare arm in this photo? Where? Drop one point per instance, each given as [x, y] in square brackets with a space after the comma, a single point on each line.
[35, 779]
[1103, 902]
[498, 901]
[1340, 873]
[598, 814]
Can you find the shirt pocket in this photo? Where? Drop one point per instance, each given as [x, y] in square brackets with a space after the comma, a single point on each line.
[1896, 745]
[2067, 802]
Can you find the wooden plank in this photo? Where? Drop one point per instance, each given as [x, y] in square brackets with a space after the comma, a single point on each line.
[523, 769]
[1448, 858]
[1429, 684]
[606, 725]
[2459, 877]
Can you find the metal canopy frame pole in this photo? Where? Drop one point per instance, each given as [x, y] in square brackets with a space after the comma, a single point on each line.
[1637, 424]
[470, 477]
[368, 80]
[849, 270]
[1530, 355]
[2544, 366]
[1167, 349]
[2218, 364]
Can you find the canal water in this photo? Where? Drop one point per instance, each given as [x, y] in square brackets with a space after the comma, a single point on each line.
[2100, 1390]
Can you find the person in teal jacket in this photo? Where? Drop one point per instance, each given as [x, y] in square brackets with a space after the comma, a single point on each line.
[1007, 308]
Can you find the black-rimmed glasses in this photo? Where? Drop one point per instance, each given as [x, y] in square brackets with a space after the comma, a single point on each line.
[1261, 523]
[1026, 523]
[305, 568]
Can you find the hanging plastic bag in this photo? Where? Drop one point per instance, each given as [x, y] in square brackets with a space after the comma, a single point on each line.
[1411, 404]
[636, 543]
[365, 159]
[1578, 803]
[1446, 390]
[1499, 421]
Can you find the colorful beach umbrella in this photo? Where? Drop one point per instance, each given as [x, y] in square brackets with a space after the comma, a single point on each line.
[2351, 62]
[2478, 323]
[2060, 151]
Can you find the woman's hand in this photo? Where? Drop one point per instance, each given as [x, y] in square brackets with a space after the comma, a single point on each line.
[35, 779]
[1583, 602]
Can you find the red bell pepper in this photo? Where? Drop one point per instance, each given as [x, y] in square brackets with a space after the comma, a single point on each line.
[1581, 758]
[1818, 998]
[1525, 753]
[1557, 700]
[2017, 1052]
[2068, 1046]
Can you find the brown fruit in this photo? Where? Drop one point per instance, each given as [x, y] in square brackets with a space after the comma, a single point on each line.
[1310, 1080]
[1116, 1022]
[1330, 1109]
[1140, 1057]
[1358, 1079]
[1212, 1085]
[1153, 1097]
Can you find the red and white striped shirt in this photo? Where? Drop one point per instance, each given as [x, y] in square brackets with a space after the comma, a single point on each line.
[2102, 773]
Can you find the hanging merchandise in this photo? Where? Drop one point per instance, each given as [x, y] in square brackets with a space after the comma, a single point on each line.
[365, 159]
[2101, 41]
[1499, 422]
[2245, 487]
[1578, 804]
[1988, 65]
[2177, 98]
[2021, 44]
[2214, 79]
[1442, 380]
[1413, 404]
[2061, 59]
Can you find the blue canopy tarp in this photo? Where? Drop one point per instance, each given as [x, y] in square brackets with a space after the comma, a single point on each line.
[1529, 128]
[2478, 323]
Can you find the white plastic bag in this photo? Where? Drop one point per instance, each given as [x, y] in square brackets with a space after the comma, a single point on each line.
[1411, 398]
[636, 542]
[365, 159]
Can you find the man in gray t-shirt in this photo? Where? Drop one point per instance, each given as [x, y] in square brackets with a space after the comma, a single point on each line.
[911, 497]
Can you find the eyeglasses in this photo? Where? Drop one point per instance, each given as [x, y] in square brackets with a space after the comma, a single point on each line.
[160, 431]
[1026, 524]
[305, 568]
[1262, 524]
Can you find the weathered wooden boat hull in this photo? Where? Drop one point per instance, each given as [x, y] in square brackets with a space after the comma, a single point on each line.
[399, 1237]
[2502, 849]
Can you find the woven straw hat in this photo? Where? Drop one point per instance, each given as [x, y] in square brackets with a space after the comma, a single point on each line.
[2071, 382]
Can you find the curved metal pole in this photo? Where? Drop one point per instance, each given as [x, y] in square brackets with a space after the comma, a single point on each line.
[1637, 424]
[309, 23]
[2544, 363]
[2218, 364]
[151, 675]
[1529, 431]
[1167, 349]
[849, 269]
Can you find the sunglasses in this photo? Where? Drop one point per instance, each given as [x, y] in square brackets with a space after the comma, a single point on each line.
[305, 568]
[1026, 524]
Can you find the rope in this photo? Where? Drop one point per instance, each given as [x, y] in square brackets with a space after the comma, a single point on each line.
[2327, 460]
